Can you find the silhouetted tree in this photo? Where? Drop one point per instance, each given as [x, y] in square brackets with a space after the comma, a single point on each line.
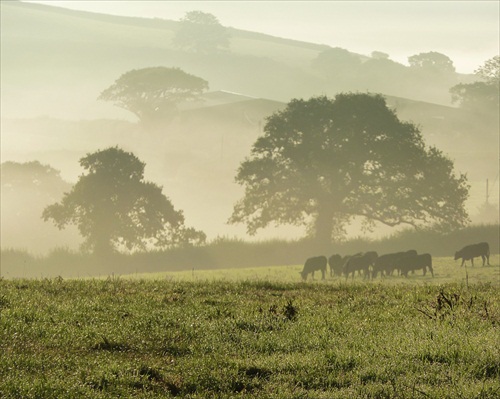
[26, 189]
[322, 162]
[33, 178]
[477, 96]
[113, 206]
[153, 94]
[484, 95]
[201, 32]
[432, 61]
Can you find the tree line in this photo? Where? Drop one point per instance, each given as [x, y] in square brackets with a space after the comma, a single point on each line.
[154, 94]
[320, 163]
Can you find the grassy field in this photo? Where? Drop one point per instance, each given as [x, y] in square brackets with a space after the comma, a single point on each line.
[253, 333]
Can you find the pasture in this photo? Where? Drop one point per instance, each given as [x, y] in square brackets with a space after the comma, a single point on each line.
[446, 271]
[253, 333]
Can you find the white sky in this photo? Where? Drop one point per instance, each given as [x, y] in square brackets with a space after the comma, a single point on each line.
[466, 31]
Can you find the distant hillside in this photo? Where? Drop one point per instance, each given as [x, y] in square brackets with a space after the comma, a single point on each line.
[55, 62]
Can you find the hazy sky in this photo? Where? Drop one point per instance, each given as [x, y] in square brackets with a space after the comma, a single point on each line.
[466, 31]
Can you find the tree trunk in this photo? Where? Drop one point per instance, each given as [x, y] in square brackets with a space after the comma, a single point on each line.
[324, 226]
[101, 238]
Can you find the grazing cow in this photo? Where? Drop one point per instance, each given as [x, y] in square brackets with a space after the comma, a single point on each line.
[474, 251]
[314, 264]
[345, 258]
[372, 256]
[386, 264]
[335, 262]
[415, 262]
[359, 262]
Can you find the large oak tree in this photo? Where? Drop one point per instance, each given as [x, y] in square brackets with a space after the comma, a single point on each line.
[322, 162]
[113, 206]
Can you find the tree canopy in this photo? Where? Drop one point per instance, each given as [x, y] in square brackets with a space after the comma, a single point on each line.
[490, 71]
[322, 162]
[334, 62]
[114, 207]
[32, 177]
[152, 94]
[201, 32]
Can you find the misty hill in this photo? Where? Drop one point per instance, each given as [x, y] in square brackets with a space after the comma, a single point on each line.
[56, 62]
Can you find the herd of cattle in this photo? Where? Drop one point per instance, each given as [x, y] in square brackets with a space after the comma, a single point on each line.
[370, 264]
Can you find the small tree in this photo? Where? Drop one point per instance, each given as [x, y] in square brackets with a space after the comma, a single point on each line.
[201, 32]
[432, 61]
[336, 61]
[490, 71]
[113, 206]
[322, 162]
[152, 94]
[477, 96]
[32, 177]
[26, 189]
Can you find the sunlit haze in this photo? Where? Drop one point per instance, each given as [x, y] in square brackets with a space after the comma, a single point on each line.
[58, 58]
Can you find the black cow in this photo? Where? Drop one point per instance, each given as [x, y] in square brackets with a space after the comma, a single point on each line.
[359, 262]
[387, 263]
[474, 251]
[345, 258]
[412, 263]
[335, 262]
[314, 264]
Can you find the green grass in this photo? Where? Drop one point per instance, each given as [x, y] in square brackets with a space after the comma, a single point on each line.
[257, 334]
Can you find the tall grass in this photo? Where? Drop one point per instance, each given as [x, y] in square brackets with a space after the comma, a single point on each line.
[117, 337]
